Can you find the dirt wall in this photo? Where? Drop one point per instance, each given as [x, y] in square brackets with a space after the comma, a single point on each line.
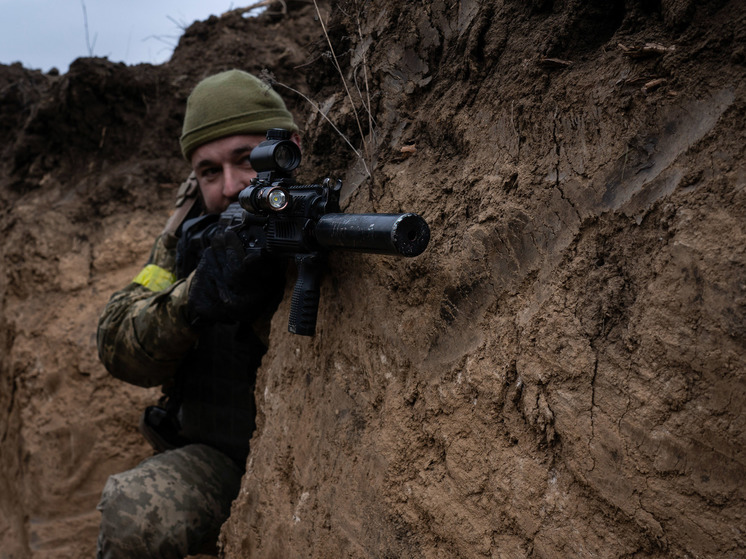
[560, 374]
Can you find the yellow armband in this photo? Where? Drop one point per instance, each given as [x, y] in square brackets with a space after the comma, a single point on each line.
[154, 278]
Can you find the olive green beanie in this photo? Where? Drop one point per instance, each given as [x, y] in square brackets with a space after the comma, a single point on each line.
[228, 103]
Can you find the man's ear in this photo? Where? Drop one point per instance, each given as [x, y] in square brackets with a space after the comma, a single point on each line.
[295, 137]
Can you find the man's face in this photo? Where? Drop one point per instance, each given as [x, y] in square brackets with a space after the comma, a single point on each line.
[223, 169]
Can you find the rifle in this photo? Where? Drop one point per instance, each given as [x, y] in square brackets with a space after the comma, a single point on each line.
[282, 217]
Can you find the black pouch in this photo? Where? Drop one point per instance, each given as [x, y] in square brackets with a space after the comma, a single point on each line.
[161, 429]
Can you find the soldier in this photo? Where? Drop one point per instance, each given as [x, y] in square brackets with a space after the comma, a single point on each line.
[199, 333]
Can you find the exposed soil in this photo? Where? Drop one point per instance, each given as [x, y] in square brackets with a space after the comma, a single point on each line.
[560, 374]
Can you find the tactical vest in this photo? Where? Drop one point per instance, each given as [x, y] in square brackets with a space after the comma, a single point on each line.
[215, 389]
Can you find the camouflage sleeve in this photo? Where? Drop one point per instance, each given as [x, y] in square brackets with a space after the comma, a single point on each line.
[143, 333]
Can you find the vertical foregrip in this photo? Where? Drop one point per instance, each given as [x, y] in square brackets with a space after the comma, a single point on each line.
[304, 305]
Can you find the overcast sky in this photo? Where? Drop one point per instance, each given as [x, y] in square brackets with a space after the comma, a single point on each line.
[42, 34]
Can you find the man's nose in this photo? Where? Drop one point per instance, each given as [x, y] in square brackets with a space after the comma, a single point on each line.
[234, 182]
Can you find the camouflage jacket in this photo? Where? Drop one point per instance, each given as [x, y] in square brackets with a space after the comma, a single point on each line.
[143, 333]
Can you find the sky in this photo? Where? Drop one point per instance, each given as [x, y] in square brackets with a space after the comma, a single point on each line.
[41, 34]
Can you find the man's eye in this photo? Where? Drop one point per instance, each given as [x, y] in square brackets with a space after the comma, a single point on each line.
[209, 172]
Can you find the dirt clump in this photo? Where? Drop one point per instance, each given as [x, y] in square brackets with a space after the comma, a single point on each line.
[560, 374]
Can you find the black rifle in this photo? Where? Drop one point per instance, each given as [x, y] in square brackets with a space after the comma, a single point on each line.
[282, 217]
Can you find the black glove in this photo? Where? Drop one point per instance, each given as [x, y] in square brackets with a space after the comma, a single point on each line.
[232, 283]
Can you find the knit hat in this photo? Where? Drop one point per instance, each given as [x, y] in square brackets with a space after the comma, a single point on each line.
[229, 103]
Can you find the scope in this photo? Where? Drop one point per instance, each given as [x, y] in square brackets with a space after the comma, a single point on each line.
[277, 155]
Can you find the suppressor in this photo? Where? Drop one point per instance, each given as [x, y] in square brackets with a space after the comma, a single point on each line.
[403, 234]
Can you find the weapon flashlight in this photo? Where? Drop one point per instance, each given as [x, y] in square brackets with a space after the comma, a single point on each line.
[263, 199]
[277, 198]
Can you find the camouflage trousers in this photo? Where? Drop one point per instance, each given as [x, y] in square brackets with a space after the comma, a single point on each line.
[169, 506]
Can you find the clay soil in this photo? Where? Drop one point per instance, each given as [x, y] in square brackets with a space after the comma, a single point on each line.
[560, 374]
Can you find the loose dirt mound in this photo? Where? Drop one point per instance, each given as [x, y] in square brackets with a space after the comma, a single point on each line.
[559, 375]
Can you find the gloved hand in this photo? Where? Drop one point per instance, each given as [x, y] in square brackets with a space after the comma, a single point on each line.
[232, 283]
